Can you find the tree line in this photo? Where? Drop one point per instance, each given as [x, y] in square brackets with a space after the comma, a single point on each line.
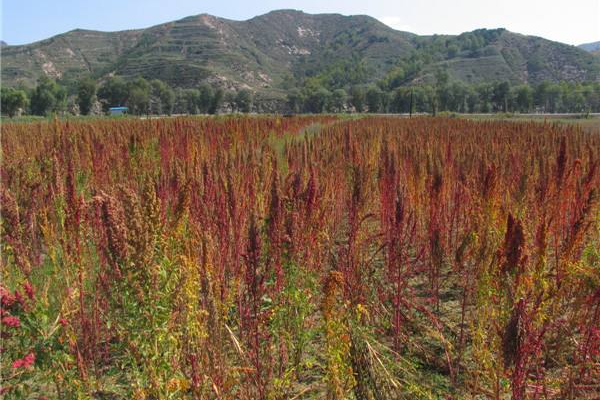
[141, 96]
[453, 96]
[388, 95]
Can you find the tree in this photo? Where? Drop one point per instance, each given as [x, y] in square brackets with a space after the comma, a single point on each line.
[190, 101]
[357, 98]
[12, 100]
[554, 98]
[442, 98]
[162, 97]
[217, 101]
[338, 100]
[318, 100]
[86, 94]
[374, 99]
[395, 78]
[229, 99]
[205, 97]
[400, 101]
[592, 97]
[295, 100]
[453, 50]
[523, 98]
[113, 93]
[573, 98]
[48, 97]
[430, 99]
[500, 96]
[243, 100]
[167, 98]
[473, 101]
[485, 94]
[138, 96]
[457, 97]
[386, 99]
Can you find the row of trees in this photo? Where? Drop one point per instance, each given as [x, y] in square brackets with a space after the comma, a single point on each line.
[139, 95]
[454, 96]
[47, 97]
[156, 97]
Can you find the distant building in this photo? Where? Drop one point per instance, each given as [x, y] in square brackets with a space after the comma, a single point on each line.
[118, 110]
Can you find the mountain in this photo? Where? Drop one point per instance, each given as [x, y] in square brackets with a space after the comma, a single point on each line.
[258, 53]
[519, 59]
[271, 52]
[74, 53]
[594, 46]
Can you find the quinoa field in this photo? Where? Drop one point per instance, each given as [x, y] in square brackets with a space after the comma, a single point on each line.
[303, 257]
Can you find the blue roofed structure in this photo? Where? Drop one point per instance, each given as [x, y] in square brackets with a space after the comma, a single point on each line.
[118, 110]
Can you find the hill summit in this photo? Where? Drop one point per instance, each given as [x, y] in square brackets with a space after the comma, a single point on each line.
[270, 52]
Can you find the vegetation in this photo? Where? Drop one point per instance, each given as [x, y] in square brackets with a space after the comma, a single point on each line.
[302, 257]
[156, 97]
[12, 100]
[243, 100]
[273, 53]
[452, 96]
[86, 95]
[48, 97]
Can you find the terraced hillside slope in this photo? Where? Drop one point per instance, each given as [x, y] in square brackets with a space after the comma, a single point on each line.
[269, 53]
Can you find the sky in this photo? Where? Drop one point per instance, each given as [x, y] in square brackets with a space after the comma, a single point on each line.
[573, 22]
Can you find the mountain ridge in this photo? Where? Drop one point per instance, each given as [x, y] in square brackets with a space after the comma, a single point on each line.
[592, 46]
[270, 52]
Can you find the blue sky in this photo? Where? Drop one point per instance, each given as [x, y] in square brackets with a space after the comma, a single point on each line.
[573, 22]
